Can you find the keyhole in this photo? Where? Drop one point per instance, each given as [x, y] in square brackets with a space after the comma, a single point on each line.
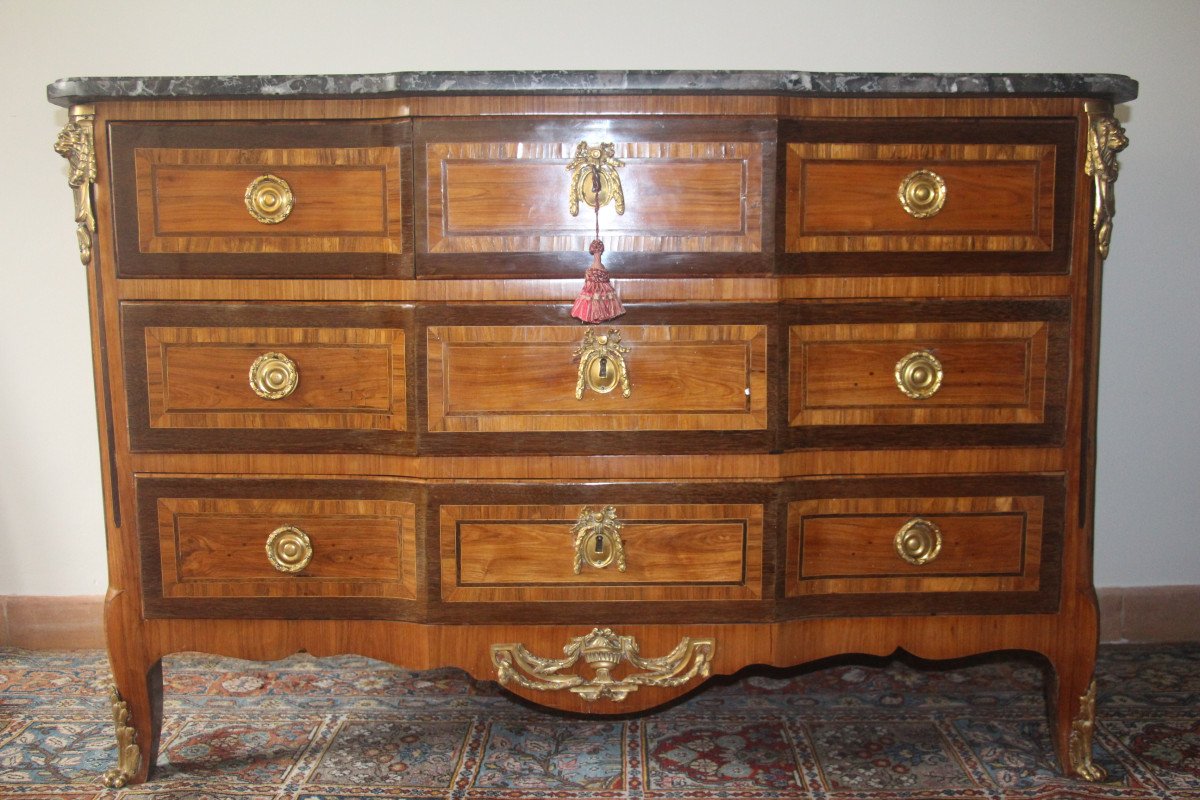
[603, 367]
[599, 543]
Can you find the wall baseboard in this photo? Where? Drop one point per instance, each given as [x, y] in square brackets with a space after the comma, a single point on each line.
[52, 623]
[1150, 614]
[1135, 614]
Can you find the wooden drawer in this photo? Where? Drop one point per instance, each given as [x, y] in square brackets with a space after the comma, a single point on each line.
[922, 380]
[183, 199]
[527, 378]
[929, 541]
[211, 546]
[997, 194]
[494, 196]
[192, 370]
[531, 553]
[848, 374]
[850, 545]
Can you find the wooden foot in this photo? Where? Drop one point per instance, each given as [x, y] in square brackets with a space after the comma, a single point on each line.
[136, 696]
[1073, 711]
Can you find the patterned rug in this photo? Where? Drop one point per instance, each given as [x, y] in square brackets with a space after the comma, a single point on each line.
[349, 728]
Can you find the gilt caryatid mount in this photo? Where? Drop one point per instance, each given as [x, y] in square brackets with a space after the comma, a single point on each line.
[76, 143]
[1105, 139]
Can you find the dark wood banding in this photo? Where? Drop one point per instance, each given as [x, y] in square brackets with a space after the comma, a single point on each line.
[630, 439]
[1041, 425]
[264, 251]
[261, 506]
[728, 164]
[296, 427]
[1033, 588]
[1056, 173]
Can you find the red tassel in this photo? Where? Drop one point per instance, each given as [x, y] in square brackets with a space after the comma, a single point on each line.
[598, 301]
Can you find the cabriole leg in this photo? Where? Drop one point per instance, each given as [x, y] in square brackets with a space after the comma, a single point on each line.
[1073, 712]
[136, 696]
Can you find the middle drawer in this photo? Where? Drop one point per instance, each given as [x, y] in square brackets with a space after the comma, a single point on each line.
[487, 379]
[927, 373]
[268, 378]
[661, 378]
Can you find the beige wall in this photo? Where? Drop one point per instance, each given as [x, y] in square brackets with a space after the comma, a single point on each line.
[1149, 479]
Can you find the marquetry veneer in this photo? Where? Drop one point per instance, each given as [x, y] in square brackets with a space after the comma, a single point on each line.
[178, 192]
[343, 409]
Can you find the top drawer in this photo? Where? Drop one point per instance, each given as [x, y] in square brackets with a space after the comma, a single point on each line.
[928, 197]
[266, 200]
[495, 196]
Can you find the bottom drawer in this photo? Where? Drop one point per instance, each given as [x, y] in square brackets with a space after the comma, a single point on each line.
[917, 540]
[620, 552]
[205, 542]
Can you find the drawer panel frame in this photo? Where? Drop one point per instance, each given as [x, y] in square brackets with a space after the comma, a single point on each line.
[475, 570]
[761, 421]
[1041, 420]
[380, 404]
[153, 427]
[557, 251]
[184, 533]
[1014, 559]
[1049, 248]
[1039, 500]
[160, 499]
[590, 603]
[268, 251]
[742, 405]
[875, 398]
[817, 169]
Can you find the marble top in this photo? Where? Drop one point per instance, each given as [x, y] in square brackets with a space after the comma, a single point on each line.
[70, 91]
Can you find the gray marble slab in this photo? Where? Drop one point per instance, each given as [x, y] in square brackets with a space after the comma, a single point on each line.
[69, 91]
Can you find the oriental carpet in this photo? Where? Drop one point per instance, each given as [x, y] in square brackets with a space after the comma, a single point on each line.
[348, 728]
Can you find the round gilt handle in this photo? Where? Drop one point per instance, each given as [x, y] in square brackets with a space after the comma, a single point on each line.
[922, 193]
[289, 549]
[919, 374]
[273, 376]
[269, 199]
[918, 541]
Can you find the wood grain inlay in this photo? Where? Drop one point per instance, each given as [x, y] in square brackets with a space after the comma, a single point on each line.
[724, 467]
[611, 105]
[673, 552]
[843, 197]
[213, 547]
[708, 290]
[683, 377]
[191, 200]
[994, 373]
[847, 545]
[512, 197]
[349, 378]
